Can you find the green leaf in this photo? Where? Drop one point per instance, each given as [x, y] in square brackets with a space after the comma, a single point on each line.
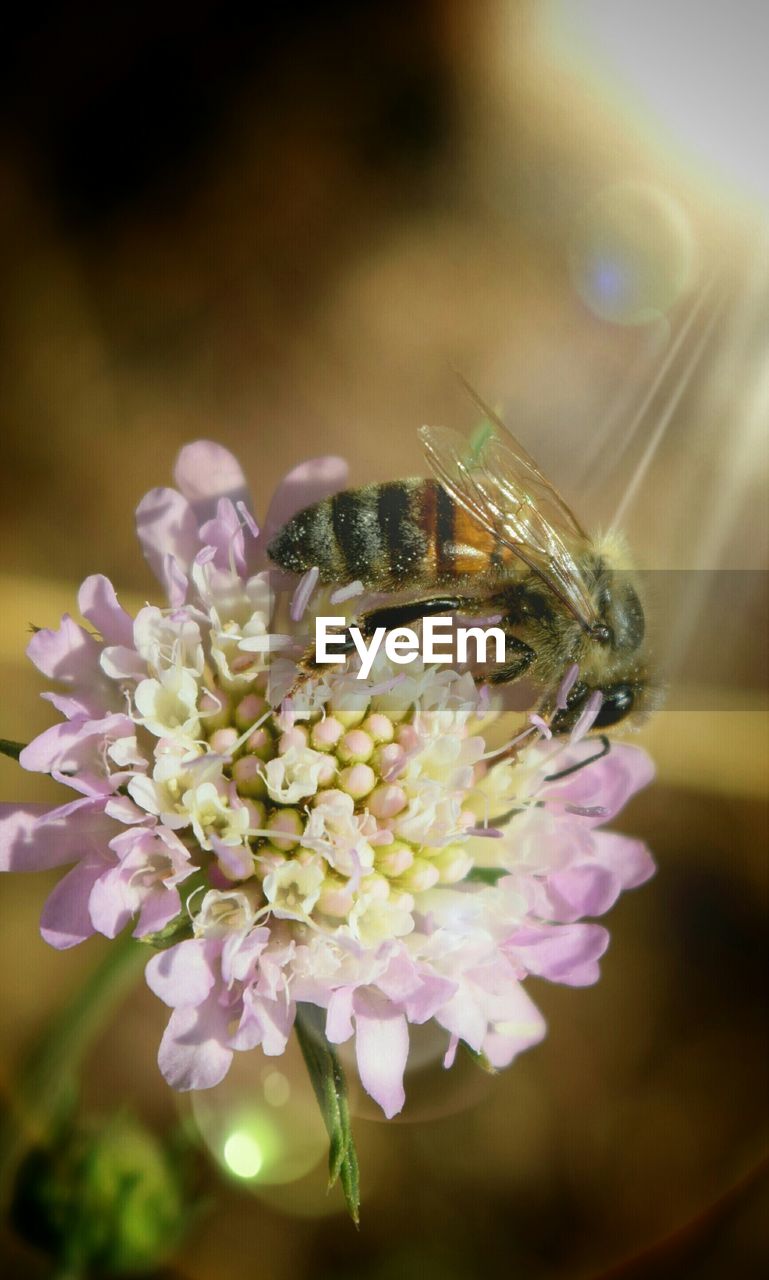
[12, 749]
[486, 875]
[331, 1091]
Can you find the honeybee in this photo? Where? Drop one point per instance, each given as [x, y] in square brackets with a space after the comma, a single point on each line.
[489, 534]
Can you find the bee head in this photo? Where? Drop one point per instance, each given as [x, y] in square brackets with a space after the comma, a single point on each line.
[619, 701]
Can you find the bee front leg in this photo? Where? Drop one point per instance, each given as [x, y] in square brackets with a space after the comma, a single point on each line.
[400, 615]
[518, 658]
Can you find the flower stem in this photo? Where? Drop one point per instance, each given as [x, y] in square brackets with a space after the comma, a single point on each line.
[49, 1067]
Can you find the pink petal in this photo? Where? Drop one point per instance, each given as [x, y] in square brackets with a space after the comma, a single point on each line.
[66, 920]
[183, 974]
[565, 953]
[523, 1027]
[98, 603]
[581, 891]
[70, 653]
[627, 859]
[166, 525]
[157, 910]
[339, 1015]
[381, 1049]
[194, 1053]
[109, 905]
[308, 483]
[205, 472]
[26, 845]
[607, 783]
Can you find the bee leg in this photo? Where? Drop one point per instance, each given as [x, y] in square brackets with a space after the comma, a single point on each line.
[518, 658]
[399, 615]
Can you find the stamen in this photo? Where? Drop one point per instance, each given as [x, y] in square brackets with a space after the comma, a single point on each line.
[303, 593]
[247, 518]
[565, 687]
[347, 592]
[587, 719]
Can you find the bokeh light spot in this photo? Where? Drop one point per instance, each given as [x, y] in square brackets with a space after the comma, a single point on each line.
[277, 1089]
[243, 1155]
[631, 253]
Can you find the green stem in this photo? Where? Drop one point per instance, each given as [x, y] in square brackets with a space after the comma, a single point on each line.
[50, 1065]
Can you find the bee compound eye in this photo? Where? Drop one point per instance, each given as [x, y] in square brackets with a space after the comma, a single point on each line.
[617, 703]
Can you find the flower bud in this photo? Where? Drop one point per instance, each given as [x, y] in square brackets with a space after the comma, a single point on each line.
[407, 737]
[247, 777]
[260, 743]
[222, 741]
[395, 858]
[420, 876]
[452, 863]
[249, 710]
[327, 771]
[335, 898]
[387, 800]
[215, 709]
[256, 814]
[326, 733]
[349, 706]
[357, 780]
[356, 747]
[290, 825]
[296, 736]
[389, 760]
[375, 886]
[379, 727]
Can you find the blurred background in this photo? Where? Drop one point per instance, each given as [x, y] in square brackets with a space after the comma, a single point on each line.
[282, 230]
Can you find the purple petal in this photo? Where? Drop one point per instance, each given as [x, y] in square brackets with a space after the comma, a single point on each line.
[182, 975]
[308, 483]
[339, 1015]
[581, 891]
[627, 859]
[194, 1053]
[166, 525]
[224, 533]
[381, 1049]
[66, 920]
[29, 843]
[157, 910]
[23, 846]
[70, 653]
[109, 904]
[205, 472]
[565, 953]
[523, 1027]
[98, 603]
[607, 783]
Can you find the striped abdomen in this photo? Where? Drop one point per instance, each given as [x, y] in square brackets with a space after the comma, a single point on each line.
[397, 534]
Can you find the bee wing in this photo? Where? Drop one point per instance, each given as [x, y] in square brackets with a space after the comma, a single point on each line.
[504, 490]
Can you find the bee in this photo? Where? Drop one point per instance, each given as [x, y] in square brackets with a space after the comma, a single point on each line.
[487, 533]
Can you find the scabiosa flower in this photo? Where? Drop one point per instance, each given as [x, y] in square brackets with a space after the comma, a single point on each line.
[354, 845]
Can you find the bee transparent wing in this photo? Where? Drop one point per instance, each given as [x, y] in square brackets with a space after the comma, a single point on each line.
[504, 490]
